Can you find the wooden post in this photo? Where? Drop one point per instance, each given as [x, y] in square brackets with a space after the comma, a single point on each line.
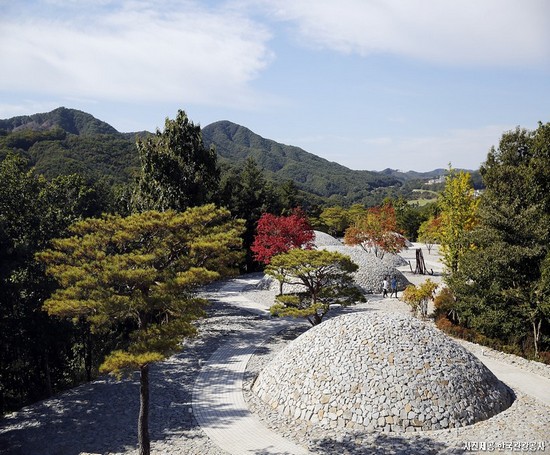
[420, 265]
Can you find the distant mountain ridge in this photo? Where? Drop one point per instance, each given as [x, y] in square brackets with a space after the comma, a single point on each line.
[83, 143]
[70, 120]
[236, 143]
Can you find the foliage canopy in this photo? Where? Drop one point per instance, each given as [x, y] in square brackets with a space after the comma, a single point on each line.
[279, 234]
[177, 171]
[326, 277]
[501, 287]
[458, 205]
[376, 231]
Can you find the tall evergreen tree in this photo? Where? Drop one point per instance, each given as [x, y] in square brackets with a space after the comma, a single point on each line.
[502, 285]
[177, 171]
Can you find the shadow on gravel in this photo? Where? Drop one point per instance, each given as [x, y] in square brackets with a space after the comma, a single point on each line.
[101, 417]
[96, 418]
[383, 444]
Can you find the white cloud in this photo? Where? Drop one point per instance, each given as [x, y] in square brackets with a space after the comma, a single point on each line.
[509, 33]
[136, 51]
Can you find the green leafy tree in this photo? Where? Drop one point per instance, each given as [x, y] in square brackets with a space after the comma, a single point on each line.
[501, 287]
[142, 271]
[418, 297]
[177, 171]
[356, 212]
[335, 219]
[326, 277]
[458, 205]
[429, 232]
[38, 355]
[409, 217]
[537, 308]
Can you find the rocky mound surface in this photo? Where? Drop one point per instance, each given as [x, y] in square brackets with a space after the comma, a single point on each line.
[386, 372]
[372, 269]
[370, 274]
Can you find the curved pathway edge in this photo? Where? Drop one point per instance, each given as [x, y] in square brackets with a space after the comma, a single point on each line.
[218, 400]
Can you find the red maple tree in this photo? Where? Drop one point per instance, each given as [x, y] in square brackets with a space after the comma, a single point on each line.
[279, 234]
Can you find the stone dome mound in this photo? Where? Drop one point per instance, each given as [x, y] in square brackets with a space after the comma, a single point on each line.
[385, 372]
[368, 277]
[372, 270]
[323, 239]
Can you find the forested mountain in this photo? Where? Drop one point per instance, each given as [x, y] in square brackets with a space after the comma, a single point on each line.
[413, 175]
[66, 141]
[311, 173]
[70, 120]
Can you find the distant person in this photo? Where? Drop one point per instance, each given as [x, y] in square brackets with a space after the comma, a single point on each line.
[393, 286]
[385, 286]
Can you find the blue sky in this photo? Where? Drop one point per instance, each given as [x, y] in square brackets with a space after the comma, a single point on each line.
[370, 84]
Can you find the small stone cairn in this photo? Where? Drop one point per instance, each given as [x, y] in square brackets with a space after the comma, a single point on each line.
[380, 372]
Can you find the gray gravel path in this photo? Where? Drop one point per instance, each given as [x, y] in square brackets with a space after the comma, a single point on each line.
[101, 417]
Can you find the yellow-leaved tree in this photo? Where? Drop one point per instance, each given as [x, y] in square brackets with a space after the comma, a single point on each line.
[458, 205]
[142, 272]
[418, 297]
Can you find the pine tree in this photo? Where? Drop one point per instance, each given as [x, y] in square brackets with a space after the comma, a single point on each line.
[326, 277]
[141, 272]
[177, 171]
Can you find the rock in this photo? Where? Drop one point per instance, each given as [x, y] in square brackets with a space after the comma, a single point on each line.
[328, 357]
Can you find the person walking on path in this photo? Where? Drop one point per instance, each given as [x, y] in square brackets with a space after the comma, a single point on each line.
[393, 286]
[385, 287]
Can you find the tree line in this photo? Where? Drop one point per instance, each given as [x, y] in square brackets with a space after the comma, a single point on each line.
[497, 248]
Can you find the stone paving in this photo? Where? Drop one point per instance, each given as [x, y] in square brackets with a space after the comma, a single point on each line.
[218, 401]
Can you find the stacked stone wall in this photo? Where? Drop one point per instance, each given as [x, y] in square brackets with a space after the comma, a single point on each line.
[386, 372]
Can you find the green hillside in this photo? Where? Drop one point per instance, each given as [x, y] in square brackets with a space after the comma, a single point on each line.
[66, 141]
[311, 173]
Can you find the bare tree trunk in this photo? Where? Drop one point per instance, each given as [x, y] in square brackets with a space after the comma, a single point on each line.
[143, 420]
[536, 335]
[88, 355]
[47, 374]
